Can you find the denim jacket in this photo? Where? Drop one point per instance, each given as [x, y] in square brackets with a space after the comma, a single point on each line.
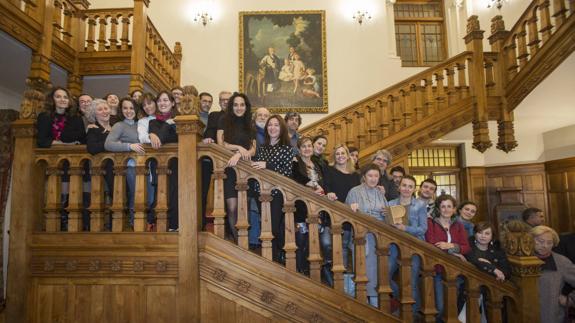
[417, 217]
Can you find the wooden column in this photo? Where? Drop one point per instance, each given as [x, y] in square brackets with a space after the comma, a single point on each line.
[242, 224]
[138, 62]
[338, 265]
[427, 293]
[405, 282]
[178, 63]
[162, 196]
[25, 211]
[290, 246]
[75, 197]
[315, 259]
[360, 265]
[474, 42]
[96, 200]
[140, 195]
[119, 197]
[78, 31]
[219, 213]
[384, 289]
[266, 235]
[189, 127]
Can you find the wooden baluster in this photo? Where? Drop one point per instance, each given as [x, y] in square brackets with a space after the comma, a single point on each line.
[409, 99]
[384, 290]
[119, 196]
[373, 127]
[430, 102]
[427, 293]
[546, 25]
[440, 98]
[406, 298]
[533, 35]
[52, 208]
[57, 19]
[102, 35]
[451, 92]
[75, 198]
[386, 119]
[559, 13]
[395, 109]
[360, 265]
[266, 235]
[511, 59]
[96, 201]
[140, 195]
[242, 223]
[338, 265]
[351, 131]
[450, 288]
[522, 47]
[494, 307]
[67, 31]
[162, 197]
[462, 80]
[125, 33]
[315, 259]
[472, 307]
[360, 129]
[113, 33]
[90, 42]
[400, 110]
[336, 132]
[219, 213]
[418, 95]
[489, 80]
[343, 130]
[290, 246]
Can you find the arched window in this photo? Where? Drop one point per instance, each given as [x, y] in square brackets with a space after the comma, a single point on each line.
[420, 32]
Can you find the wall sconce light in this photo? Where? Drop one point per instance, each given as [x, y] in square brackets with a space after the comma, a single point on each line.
[203, 17]
[495, 3]
[361, 16]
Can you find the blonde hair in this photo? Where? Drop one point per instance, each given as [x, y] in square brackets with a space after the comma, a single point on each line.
[349, 166]
[542, 229]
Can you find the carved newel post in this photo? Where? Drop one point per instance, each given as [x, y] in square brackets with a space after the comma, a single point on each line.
[526, 269]
[506, 134]
[474, 42]
[26, 207]
[188, 126]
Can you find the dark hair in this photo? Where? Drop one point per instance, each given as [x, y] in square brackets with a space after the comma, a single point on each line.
[430, 181]
[409, 177]
[134, 105]
[177, 88]
[464, 203]
[290, 115]
[303, 139]
[397, 169]
[205, 94]
[441, 199]
[483, 225]
[527, 213]
[132, 93]
[369, 167]
[85, 94]
[171, 98]
[352, 149]
[318, 137]
[146, 97]
[234, 124]
[107, 95]
[50, 106]
[284, 137]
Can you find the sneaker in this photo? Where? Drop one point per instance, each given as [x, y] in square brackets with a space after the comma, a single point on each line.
[173, 230]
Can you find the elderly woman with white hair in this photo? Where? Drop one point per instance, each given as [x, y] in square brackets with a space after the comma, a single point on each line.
[556, 271]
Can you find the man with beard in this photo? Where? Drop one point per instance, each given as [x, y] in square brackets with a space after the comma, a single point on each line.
[260, 118]
[426, 194]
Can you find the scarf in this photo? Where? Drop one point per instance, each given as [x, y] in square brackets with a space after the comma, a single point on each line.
[163, 116]
[58, 126]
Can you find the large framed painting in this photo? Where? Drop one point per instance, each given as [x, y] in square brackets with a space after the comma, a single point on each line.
[283, 60]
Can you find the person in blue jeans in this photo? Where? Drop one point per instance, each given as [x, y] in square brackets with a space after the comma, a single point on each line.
[416, 226]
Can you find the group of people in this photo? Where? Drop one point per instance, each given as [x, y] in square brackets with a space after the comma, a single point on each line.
[272, 142]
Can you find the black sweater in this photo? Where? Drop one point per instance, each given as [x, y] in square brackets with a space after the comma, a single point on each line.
[340, 183]
[494, 254]
[73, 130]
[95, 139]
[165, 131]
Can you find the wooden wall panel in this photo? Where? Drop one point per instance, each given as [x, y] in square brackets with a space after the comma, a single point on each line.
[474, 188]
[160, 303]
[561, 185]
[217, 307]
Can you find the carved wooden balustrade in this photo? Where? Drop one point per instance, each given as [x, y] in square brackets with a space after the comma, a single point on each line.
[76, 162]
[92, 41]
[362, 224]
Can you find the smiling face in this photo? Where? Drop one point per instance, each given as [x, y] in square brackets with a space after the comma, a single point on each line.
[128, 110]
[381, 161]
[354, 155]
[262, 116]
[113, 101]
[406, 188]
[306, 148]
[274, 129]
[293, 123]
[484, 237]
[223, 100]
[341, 156]
[239, 106]
[206, 103]
[84, 102]
[136, 96]
[319, 146]
[177, 94]
[446, 209]
[371, 178]
[149, 107]
[103, 113]
[427, 190]
[468, 211]
[61, 99]
[164, 104]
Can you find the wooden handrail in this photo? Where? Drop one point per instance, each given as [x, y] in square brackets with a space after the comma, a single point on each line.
[339, 213]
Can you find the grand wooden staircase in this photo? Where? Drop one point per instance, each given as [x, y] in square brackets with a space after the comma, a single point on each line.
[475, 86]
[129, 275]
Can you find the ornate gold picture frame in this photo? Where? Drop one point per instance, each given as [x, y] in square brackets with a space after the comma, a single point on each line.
[283, 60]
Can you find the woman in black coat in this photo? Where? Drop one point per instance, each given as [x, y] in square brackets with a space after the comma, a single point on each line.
[59, 124]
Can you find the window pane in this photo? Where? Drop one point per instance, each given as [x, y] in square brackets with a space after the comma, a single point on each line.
[406, 43]
[432, 43]
[417, 10]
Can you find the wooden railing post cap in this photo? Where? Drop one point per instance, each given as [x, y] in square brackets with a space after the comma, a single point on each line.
[473, 29]
[526, 266]
[81, 4]
[498, 31]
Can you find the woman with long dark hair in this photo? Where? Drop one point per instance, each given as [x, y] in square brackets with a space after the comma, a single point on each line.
[58, 124]
[235, 133]
[276, 154]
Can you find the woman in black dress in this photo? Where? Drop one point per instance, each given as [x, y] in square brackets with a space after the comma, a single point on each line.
[235, 133]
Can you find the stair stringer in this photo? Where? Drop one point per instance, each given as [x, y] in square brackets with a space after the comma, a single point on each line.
[270, 290]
